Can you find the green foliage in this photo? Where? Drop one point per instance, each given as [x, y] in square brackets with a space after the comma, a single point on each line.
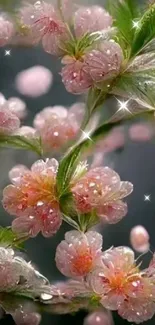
[10, 239]
[124, 13]
[138, 81]
[145, 31]
[66, 170]
[21, 142]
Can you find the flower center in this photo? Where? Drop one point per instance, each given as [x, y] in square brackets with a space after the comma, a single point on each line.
[82, 264]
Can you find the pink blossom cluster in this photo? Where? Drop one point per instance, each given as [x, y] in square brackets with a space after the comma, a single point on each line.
[89, 58]
[32, 197]
[11, 111]
[112, 276]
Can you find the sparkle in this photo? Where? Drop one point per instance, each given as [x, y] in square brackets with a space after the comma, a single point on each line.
[123, 106]
[147, 197]
[135, 24]
[7, 52]
[86, 135]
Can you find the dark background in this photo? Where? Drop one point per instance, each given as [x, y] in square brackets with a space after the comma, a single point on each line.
[135, 163]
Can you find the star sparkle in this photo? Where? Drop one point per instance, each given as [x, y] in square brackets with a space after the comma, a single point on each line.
[86, 135]
[147, 197]
[7, 52]
[135, 24]
[123, 106]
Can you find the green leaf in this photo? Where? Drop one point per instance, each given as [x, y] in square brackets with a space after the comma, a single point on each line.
[66, 169]
[138, 81]
[124, 13]
[145, 31]
[21, 142]
[10, 239]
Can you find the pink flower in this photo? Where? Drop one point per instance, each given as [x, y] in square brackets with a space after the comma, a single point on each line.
[139, 239]
[83, 22]
[57, 125]
[79, 253]
[34, 82]
[105, 62]
[99, 317]
[75, 78]
[45, 24]
[6, 31]
[32, 199]
[101, 189]
[122, 286]
[141, 132]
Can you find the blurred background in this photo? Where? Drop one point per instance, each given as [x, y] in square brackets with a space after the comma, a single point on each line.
[135, 163]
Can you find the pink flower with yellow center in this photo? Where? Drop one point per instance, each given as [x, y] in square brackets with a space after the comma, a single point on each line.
[79, 253]
[32, 199]
[122, 286]
[101, 189]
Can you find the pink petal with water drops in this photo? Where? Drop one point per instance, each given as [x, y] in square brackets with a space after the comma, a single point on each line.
[34, 82]
[83, 22]
[112, 212]
[27, 226]
[137, 311]
[75, 78]
[49, 219]
[105, 62]
[141, 132]
[139, 239]
[79, 253]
